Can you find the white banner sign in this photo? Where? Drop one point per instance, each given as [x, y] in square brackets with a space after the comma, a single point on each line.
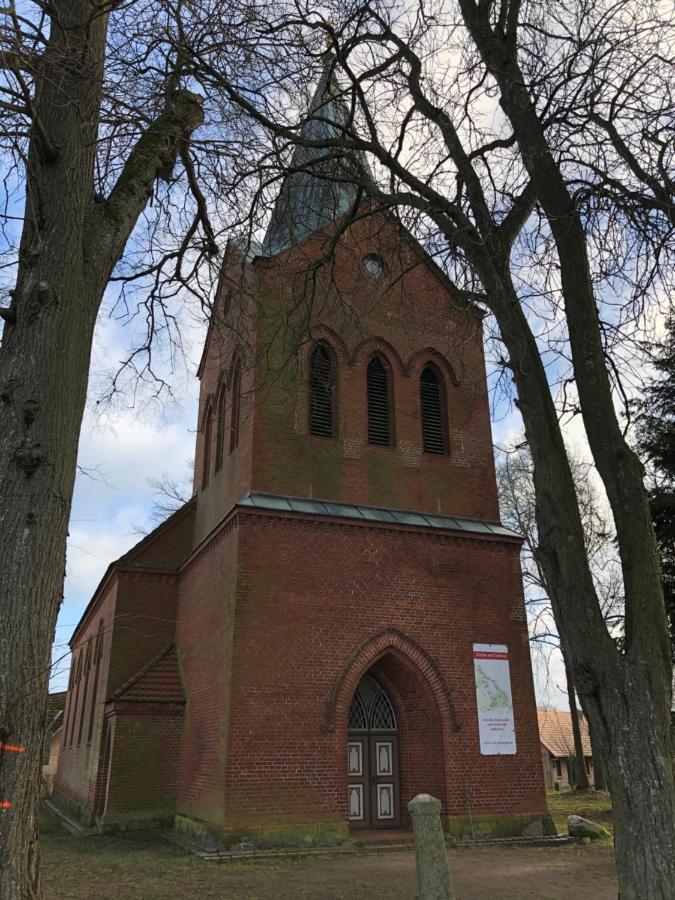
[493, 697]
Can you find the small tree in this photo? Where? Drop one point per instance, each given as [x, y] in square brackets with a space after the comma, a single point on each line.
[518, 504]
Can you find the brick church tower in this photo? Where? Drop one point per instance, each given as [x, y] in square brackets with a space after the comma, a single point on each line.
[335, 622]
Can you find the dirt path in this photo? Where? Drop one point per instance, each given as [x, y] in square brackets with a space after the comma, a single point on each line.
[143, 867]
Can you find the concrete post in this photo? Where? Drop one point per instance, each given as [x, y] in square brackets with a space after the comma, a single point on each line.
[433, 877]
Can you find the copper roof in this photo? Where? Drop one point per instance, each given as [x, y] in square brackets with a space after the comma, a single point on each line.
[374, 514]
[555, 732]
[320, 185]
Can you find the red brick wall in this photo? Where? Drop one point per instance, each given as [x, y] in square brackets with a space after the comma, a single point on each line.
[78, 760]
[401, 320]
[145, 622]
[311, 593]
[204, 633]
[169, 544]
[232, 335]
[411, 319]
[144, 760]
[138, 612]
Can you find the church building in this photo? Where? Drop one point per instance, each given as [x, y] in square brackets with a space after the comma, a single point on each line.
[335, 621]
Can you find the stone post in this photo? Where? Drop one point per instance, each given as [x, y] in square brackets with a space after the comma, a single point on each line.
[433, 877]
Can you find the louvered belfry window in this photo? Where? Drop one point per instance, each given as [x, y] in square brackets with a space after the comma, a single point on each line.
[433, 419]
[322, 392]
[379, 403]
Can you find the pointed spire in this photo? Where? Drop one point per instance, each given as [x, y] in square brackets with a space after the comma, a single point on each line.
[320, 193]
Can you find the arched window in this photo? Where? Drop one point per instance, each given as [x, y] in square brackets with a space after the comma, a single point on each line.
[371, 708]
[70, 700]
[208, 428]
[220, 429]
[76, 699]
[322, 392]
[98, 653]
[85, 690]
[380, 419]
[236, 407]
[358, 717]
[432, 399]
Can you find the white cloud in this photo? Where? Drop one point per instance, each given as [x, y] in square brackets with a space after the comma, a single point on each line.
[120, 449]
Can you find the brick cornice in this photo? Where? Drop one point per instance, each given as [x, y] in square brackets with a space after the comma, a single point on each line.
[331, 522]
[143, 708]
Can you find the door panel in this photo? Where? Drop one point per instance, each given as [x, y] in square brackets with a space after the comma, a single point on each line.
[384, 758]
[358, 789]
[385, 802]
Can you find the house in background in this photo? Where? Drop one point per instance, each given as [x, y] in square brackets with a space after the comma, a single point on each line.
[557, 747]
[52, 742]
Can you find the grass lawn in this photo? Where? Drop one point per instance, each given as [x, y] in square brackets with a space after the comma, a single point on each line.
[593, 805]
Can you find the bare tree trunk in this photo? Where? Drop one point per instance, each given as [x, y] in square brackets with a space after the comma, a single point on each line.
[623, 699]
[625, 696]
[580, 773]
[599, 776]
[70, 242]
[44, 362]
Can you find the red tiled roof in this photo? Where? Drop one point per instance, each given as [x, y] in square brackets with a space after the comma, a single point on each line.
[55, 706]
[55, 703]
[555, 732]
[158, 682]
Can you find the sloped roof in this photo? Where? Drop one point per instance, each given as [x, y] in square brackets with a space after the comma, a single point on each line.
[319, 188]
[555, 732]
[157, 682]
[130, 559]
[374, 514]
[56, 703]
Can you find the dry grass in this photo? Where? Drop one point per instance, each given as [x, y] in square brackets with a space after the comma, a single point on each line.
[591, 804]
[142, 866]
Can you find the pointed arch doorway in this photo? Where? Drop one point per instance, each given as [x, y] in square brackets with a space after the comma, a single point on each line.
[372, 758]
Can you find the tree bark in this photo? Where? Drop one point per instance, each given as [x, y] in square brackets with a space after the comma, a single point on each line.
[580, 773]
[70, 243]
[599, 769]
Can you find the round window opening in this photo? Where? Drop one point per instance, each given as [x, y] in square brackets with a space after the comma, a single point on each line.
[374, 266]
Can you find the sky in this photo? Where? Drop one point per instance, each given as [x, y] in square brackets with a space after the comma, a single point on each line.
[122, 447]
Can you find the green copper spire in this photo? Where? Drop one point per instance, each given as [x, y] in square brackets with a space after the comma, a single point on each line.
[317, 190]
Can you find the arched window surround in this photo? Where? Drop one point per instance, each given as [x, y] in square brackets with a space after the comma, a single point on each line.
[98, 654]
[380, 402]
[208, 435]
[235, 393]
[85, 692]
[221, 409]
[433, 400]
[322, 391]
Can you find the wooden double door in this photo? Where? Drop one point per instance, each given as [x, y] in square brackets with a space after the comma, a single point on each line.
[372, 759]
